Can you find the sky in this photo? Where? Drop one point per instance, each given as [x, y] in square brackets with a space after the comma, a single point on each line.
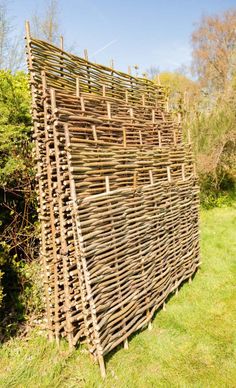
[132, 32]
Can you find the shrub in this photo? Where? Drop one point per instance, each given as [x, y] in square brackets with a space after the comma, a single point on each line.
[17, 197]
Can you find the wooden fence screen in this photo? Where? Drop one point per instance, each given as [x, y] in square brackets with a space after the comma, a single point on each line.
[118, 198]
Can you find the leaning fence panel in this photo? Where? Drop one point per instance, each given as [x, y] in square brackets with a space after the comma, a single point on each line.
[118, 198]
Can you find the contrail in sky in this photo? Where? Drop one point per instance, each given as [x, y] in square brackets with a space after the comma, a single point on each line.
[104, 47]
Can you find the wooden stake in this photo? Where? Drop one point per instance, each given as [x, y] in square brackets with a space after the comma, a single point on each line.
[107, 183]
[140, 137]
[183, 171]
[168, 174]
[179, 118]
[151, 177]
[174, 136]
[159, 138]
[135, 179]
[86, 54]
[94, 133]
[143, 99]
[124, 136]
[153, 116]
[62, 43]
[77, 87]
[109, 110]
[82, 104]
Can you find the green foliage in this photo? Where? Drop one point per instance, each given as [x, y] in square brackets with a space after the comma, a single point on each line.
[210, 199]
[191, 343]
[182, 91]
[14, 129]
[32, 293]
[213, 54]
[214, 140]
[211, 120]
[25, 301]
[14, 98]
[212, 126]
[177, 82]
[17, 209]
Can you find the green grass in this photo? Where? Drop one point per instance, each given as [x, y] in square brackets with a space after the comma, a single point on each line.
[192, 344]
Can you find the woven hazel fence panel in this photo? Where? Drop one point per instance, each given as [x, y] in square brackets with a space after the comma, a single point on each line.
[118, 198]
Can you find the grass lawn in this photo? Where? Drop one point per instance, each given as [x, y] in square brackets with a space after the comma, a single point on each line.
[192, 343]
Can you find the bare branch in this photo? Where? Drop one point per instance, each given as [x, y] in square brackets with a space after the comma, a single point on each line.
[11, 47]
[47, 27]
[214, 47]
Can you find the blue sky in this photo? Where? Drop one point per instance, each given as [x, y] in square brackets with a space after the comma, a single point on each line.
[143, 32]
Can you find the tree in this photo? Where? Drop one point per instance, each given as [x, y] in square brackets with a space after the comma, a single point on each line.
[182, 91]
[11, 48]
[4, 33]
[214, 50]
[47, 27]
[177, 82]
[152, 72]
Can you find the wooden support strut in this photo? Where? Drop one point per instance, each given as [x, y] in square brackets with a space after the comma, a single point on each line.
[124, 136]
[143, 99]
[140, 137]
[159, 138]
[62, 221]
[51, 211]
[183, 171]
[153, 116]
[168, 174]
[77, 87]
[109, 110]
[94, 133]
[40, 186]
[77, 245]
[82, 258]
[107, 183]
[174, 137]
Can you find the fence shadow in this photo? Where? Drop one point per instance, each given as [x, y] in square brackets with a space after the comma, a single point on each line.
[12, 311]
[110, 355]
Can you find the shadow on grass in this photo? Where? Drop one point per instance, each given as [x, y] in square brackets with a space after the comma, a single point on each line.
[112, 353]
[12, 311]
